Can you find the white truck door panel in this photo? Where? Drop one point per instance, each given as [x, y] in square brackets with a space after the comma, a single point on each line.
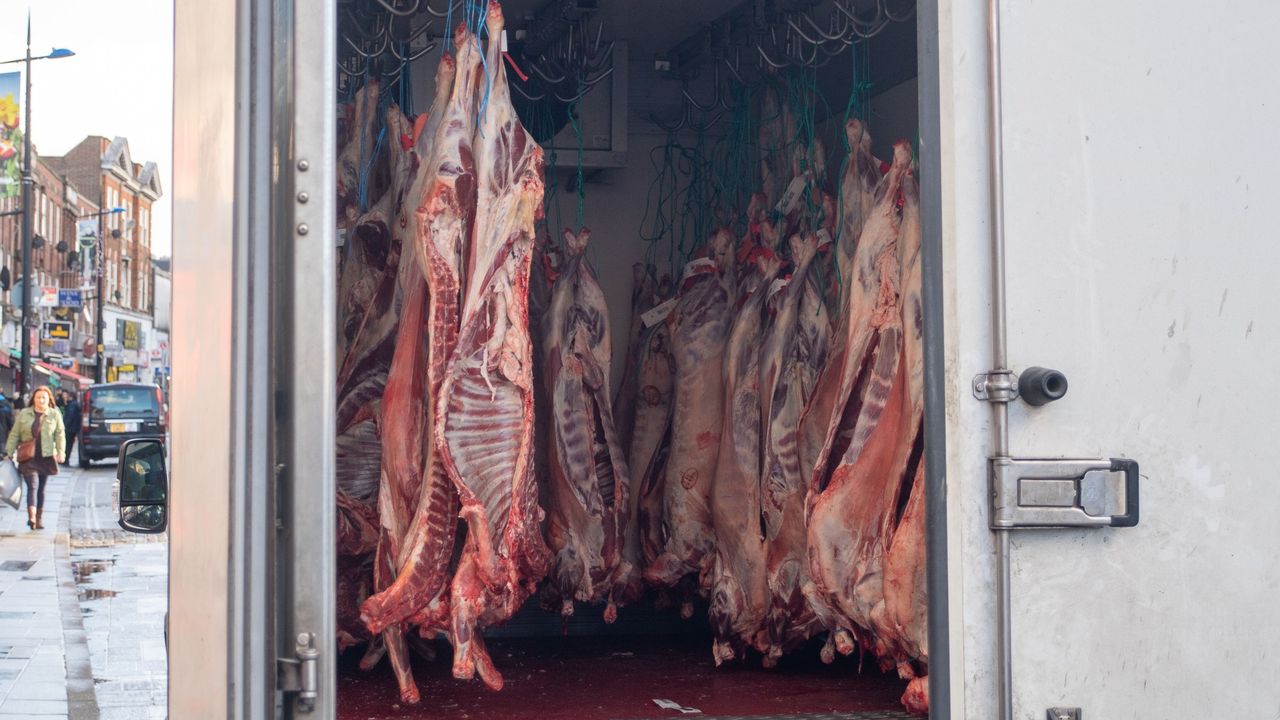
[1140, 161]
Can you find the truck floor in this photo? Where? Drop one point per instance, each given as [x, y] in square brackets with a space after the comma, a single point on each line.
[618, 678]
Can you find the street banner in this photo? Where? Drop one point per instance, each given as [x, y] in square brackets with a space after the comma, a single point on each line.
[69, 298]
[87, 232]
[10, 135]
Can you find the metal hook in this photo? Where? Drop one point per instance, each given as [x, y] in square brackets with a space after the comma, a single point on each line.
[765, 57]
[368, 55]
[536, 70]
[444, 13]
[531, 98]
[909, 14]
[715, 100]
[401, 13]
[670, 128]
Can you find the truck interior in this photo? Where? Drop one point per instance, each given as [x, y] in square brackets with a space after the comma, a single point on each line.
[655, 120]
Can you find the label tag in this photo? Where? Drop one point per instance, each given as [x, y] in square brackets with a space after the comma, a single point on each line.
[673, 705]
[342, 237]
[698, 267]
[824, 237]
[777, 286]
[658, 314]
[792, 194]
[504, 41]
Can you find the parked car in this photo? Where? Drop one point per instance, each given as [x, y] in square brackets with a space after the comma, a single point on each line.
[116, 412]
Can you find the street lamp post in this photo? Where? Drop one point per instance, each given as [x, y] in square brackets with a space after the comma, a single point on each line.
[99, 365]
[24, 378]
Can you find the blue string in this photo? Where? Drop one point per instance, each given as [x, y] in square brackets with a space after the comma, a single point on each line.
[364, 172]
[447, 45]
[481, 29]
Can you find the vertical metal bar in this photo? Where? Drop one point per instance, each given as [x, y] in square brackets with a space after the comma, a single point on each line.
[303, 245]
[251, 654]
[935, 451]
[999, 357]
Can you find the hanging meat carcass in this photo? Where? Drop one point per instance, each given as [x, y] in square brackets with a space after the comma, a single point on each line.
[644, 296]
[857, 194]
[589, 484]
[401, 419]
[650, 440]
[699, 329]
[900, 619]
[739, 596]
[855, 422]
[793, 354]
[442, 204]
[357, 151]
[484, 419]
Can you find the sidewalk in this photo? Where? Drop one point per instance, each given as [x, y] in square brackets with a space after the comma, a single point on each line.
[122, 580]
[44, 661]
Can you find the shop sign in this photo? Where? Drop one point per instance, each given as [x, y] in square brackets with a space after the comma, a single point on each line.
[69, 298]
[125, 368]
[57, 330]
[130, 333]
[48, 296]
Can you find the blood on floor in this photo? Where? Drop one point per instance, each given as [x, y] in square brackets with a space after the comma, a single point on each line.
[618, 678]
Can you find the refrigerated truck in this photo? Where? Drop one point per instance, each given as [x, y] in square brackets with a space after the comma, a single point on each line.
[1100, 189]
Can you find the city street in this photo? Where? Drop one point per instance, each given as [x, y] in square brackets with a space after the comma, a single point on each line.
[82, 607]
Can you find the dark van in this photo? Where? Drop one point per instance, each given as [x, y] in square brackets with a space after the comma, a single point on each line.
[116, 412]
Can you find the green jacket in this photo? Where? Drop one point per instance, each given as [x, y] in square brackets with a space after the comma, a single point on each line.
[53, 435]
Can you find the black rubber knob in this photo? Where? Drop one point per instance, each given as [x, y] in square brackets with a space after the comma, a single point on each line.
[1037, 385]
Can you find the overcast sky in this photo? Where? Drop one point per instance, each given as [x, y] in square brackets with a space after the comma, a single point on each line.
[119, 83]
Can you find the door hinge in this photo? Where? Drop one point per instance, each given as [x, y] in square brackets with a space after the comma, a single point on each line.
[300, 674]
[996, 386]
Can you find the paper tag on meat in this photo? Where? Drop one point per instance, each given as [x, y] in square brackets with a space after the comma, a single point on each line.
[658, 314]
[777, 285]
[673, 705]
[342, 237]
[824, 238]
[792, 194]
[700, 265]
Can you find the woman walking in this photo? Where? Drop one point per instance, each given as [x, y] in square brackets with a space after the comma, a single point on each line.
[39, 438]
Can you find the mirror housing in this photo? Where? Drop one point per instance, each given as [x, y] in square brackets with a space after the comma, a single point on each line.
[143, 498]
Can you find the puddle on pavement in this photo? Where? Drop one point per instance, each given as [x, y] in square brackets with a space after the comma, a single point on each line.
[83, 571]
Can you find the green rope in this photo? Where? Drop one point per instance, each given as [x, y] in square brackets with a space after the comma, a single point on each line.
[577, 133]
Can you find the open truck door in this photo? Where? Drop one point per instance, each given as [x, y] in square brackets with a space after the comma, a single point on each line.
[1140, 263]
[252, 453]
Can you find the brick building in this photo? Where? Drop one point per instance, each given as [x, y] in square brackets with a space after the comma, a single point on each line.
[56, 262]
[105, 171]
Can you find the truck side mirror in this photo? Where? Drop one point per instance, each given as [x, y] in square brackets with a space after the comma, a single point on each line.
[144, 486]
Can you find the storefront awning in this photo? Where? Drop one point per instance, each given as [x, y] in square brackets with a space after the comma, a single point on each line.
[79, 379]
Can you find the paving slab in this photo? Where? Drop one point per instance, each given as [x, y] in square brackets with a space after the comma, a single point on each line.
[39, 647]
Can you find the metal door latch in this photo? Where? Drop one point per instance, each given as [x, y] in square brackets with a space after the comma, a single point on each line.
[301, 675]
[1063, 493]
[1060, 713]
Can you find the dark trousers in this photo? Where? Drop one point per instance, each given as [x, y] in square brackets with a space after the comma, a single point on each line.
[71, 441]
[35, 490]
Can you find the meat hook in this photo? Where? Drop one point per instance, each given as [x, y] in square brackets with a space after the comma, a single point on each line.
[401, 13]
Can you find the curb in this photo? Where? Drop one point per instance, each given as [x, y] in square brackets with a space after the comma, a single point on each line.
[82, 701]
